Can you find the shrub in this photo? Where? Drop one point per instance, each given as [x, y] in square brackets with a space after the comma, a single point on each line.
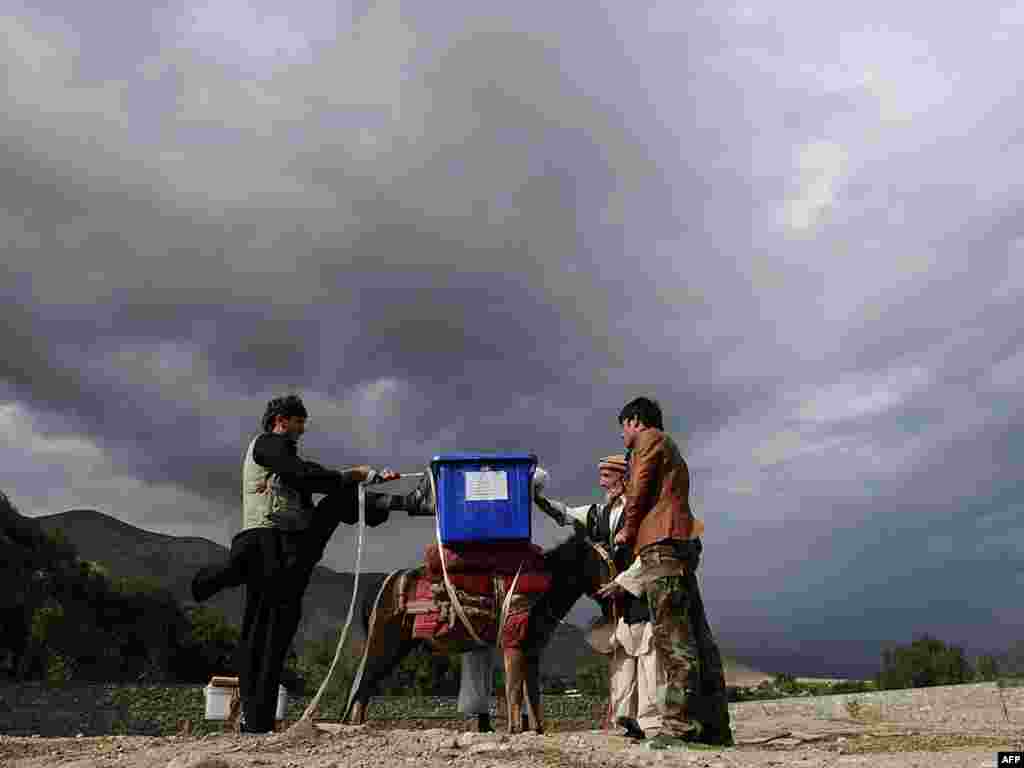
[927, 661]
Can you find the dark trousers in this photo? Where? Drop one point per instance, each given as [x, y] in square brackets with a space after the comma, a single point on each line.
[275, 566]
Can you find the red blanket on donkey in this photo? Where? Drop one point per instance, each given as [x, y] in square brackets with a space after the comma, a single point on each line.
[485, 557]
[472, 570]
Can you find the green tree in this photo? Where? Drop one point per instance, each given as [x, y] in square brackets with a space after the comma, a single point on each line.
[213, 638]
[58, 547]
[46, 622]
[312, 665]
[414, 674]
[987, 667]
[59, 669]
[1012, 662]
[852, 686]
[138, 585]
[786, 683]
[44, 642]
[62, 617]
[592, 677]
[926, 661]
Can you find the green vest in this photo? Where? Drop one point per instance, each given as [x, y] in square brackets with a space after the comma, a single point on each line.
[269, 503]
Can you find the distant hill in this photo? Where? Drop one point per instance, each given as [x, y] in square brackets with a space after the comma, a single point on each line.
[172, 561]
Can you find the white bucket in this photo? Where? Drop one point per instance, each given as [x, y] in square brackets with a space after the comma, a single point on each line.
[218, 702]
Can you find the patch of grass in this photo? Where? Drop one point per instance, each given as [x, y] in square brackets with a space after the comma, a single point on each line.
[157, 711]
[862, 712]
[786, 687]
[697, 746]
[922, 743]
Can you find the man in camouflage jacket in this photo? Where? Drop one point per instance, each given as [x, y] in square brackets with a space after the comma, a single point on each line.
[663, 532]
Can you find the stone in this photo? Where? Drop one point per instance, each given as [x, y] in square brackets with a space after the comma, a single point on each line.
[472, 738]
[191, 760]
[303, 728]
[488, 747]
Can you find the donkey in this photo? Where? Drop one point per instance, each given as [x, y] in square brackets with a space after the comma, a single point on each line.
[578, 566]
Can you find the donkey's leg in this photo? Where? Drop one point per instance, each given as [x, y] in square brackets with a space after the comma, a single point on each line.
[515, 676]
[378, 662]
[388, 636]
[533, 704]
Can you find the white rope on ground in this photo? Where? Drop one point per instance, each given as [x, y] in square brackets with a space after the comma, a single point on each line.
[358, 679]
[307, 716]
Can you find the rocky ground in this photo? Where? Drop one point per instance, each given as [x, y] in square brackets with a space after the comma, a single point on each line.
[776, 742]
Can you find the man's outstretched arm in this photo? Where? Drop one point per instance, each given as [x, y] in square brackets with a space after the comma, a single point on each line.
[562, 513]
[273, 452]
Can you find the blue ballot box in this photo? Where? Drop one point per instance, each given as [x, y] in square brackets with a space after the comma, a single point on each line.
[483, 497]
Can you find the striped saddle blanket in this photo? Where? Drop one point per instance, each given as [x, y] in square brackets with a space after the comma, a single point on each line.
[481, 576]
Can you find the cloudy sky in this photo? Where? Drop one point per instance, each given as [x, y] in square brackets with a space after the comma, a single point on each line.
[485, 226]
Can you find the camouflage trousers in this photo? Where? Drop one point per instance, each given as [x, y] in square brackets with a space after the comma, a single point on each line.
[691, 691]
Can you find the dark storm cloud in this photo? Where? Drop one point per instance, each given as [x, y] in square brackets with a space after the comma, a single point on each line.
[176, 285]
[487, 230]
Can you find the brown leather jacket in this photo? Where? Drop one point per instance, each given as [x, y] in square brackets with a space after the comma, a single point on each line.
[657, 499]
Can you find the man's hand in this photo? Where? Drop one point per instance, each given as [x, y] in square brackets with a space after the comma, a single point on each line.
[621, 537]
[611, 590]
[362, 473]
[550, 509]
[539, 480]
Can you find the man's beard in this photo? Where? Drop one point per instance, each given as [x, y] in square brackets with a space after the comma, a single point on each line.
[612, 495]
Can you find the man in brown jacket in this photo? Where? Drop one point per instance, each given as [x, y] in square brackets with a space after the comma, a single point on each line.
[662, 530]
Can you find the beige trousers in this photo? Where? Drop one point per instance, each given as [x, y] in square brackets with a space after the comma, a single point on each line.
[633, 673]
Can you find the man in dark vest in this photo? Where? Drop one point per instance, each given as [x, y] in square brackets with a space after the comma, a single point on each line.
[661, 528]
[282, 539]
[625, 634]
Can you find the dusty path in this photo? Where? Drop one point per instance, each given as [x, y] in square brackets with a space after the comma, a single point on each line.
[775, 742]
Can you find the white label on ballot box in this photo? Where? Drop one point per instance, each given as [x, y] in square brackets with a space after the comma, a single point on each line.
[486, 486]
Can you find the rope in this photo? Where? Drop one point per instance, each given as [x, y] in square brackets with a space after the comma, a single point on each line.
[307, 716]
[613, 572]
[456, 605]
[358, 679]
[503, 616]
[311, 709]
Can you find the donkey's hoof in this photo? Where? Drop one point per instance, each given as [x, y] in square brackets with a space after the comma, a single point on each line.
[357, 715]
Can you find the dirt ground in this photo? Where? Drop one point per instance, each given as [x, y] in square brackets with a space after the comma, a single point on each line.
[800, 743]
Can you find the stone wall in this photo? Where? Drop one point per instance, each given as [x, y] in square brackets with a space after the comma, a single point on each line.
[976, 705]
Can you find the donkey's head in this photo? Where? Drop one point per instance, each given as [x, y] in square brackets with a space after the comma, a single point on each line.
[578, 567]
